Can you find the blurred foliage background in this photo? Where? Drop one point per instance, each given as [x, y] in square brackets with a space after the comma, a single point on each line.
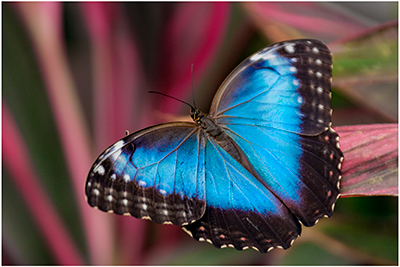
[75, 76]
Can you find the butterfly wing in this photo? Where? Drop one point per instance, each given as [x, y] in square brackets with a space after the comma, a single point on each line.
[157, 173]
[285, 86]
[240, 212]
[276, 107]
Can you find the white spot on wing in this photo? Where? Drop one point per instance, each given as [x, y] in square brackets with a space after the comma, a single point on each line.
[318, 62]
[127, 178]
[256, 57]
[142, 183]
[99, 169]
[289, 48]
[118, 145]
[188, 232]
[333, 207]
[300, 100]
[337, 144]
[315, 50]
[111, 151]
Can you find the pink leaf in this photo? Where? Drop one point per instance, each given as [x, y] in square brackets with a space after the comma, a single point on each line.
[43, 23]
[116, 70]
[16, 160]
[370, 166]
[116, 76]
[287, 20]
[193, 35]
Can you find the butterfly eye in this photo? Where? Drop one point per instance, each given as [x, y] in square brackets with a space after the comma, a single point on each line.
[192, 113]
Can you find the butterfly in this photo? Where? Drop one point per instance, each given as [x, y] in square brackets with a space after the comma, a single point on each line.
[246, 175]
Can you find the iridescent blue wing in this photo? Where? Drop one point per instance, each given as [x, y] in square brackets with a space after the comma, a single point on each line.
[240, 212]
[157, 173]
[285, 86]
[276, 107]
[282, 167]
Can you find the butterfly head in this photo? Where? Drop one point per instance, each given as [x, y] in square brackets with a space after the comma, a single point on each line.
[196, 115]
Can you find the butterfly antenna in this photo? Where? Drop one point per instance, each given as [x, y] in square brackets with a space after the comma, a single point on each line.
[191, 73]
[160, 93]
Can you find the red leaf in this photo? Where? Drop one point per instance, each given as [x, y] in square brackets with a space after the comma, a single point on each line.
[370, 165]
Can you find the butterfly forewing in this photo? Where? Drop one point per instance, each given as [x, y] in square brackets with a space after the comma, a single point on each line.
[157, 174]
[285, 86]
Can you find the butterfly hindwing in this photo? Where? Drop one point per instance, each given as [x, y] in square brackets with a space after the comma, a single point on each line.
[156, 173]
[240, 213]
[303, 171]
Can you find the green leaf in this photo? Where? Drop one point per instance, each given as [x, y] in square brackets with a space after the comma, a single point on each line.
[365, 69]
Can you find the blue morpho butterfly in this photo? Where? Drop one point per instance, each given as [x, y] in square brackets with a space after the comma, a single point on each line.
[246, 175]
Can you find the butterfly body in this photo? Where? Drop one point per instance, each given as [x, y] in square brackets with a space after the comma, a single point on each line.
[246, 175]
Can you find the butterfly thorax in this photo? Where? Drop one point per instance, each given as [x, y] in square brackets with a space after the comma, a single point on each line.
[213, 130]
[206, 123]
